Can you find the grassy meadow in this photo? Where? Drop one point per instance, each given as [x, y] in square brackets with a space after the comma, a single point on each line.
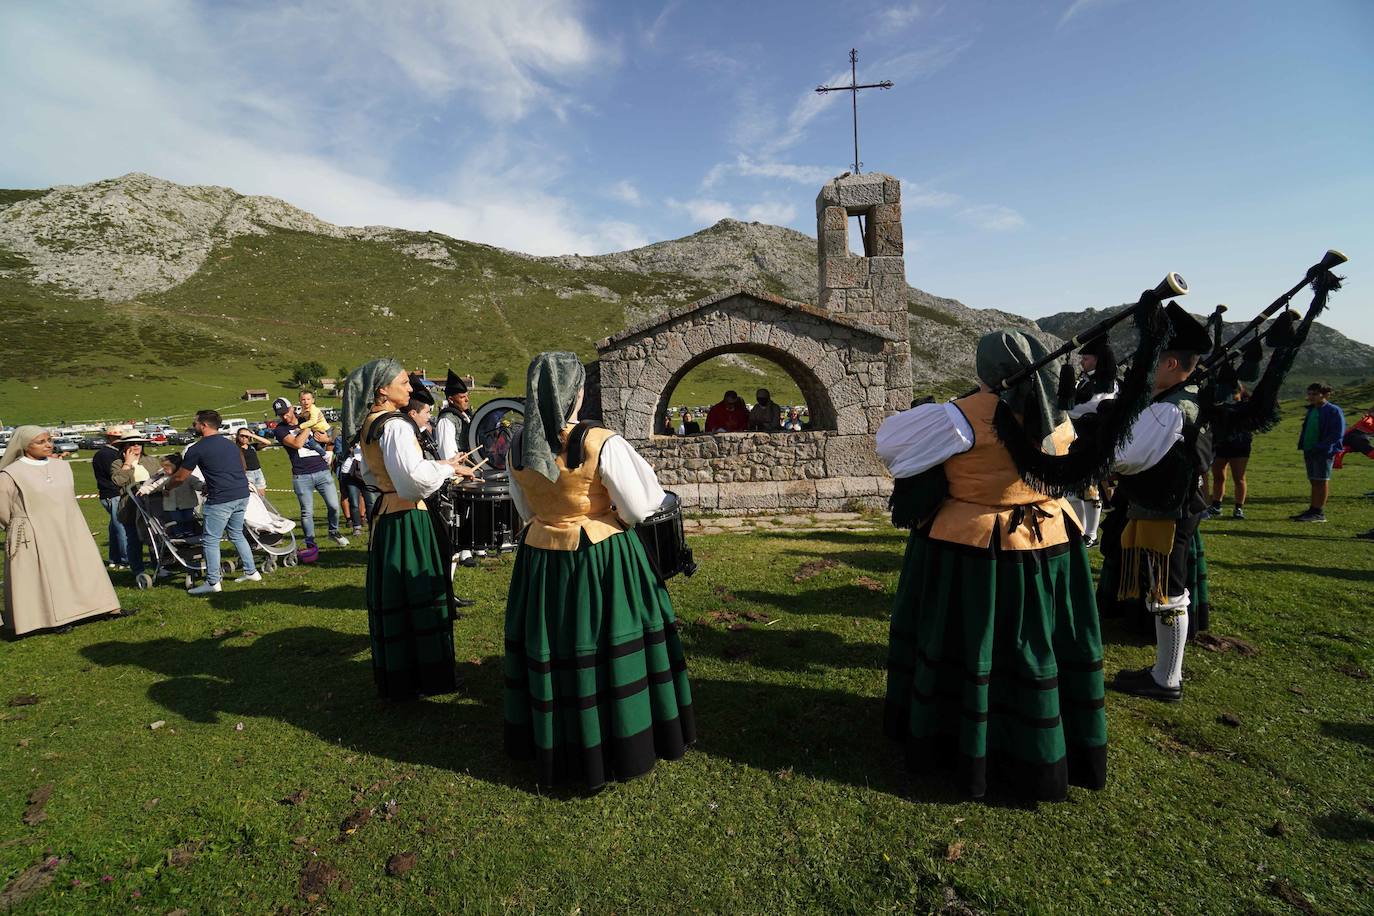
[280, 783]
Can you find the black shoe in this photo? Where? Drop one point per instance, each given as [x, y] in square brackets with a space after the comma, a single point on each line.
[464, 602]
[468, 561]
[1311, 515]
[1366, 535]
[1141, 683]
[1238, 512]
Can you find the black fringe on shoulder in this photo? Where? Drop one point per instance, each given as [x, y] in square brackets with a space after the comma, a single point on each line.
[1089, 461]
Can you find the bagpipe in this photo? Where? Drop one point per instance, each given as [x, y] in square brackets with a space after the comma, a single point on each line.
[1217, 375]
[915, 498]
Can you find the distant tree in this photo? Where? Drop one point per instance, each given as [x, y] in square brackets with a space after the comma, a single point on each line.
[500, 379]
[307, 374]
[343, 373]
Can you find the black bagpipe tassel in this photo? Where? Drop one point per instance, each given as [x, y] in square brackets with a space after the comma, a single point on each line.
[1251, 360]
[1282, 333]
[1068, 386]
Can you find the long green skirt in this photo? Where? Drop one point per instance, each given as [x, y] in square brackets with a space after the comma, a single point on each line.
[1133, 609]
[596, 680]
[995, 667]
[408, 615]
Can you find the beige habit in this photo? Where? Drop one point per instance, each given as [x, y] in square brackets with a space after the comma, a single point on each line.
[53, 571]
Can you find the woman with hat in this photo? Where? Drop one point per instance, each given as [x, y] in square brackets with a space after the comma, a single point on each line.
[53, 572]
[409, 608]
[596, 680]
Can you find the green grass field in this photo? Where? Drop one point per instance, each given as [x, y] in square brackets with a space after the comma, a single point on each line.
[791, 801]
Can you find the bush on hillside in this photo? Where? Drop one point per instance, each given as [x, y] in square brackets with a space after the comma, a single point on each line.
[307, 374]
[499, 379]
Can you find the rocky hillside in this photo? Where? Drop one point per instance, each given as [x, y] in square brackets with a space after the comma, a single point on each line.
[1328, 354]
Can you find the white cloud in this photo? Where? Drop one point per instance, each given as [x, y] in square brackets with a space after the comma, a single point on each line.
[708, 211]
[895, 18]
[919, 197]
[626, 192]
[783, 171]
[1080, 6]
[157, 88]
[655, 29]
[992, 217]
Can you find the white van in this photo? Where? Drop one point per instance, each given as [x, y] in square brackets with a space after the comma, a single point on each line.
[231, 427]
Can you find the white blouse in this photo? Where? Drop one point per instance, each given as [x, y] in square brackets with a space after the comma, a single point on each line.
[634, 488]
[1155, 431]
[413, 475]
[1089, 407]
[918, 439]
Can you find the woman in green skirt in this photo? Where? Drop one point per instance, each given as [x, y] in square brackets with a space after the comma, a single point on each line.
[409, 593]
[596, 681]
[995, 656]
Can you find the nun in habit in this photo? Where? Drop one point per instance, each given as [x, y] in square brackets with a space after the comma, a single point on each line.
[54, 575]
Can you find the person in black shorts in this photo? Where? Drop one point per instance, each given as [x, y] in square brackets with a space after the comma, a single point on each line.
[1232, 453]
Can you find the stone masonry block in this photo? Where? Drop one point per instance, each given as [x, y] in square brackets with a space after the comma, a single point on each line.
[892, 191]
[887, 239]
[835, 243]
[749, 495]
[835, 218]
[847, 272]
[852, 456]
[856, 197]
[797, 494]
[884, 214]
[887, 264]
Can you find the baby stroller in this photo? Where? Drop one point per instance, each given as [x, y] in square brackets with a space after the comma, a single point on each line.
[172, 550]
[269, 533]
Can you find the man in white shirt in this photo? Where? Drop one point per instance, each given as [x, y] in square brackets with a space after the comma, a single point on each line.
[450, 431]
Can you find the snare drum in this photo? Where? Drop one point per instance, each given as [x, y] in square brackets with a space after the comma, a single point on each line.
[664, 542]
[486, 514]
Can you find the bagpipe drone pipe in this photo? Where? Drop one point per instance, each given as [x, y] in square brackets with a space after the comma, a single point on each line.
[915, 498]
[1218, 376]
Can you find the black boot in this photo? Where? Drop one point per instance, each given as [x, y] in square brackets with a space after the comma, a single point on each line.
[1141, 683]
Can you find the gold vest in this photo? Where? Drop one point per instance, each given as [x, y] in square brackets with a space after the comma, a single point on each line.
[576, 502]
[987, 495]
[372, 454]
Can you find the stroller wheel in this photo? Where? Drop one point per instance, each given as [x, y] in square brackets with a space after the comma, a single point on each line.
[144, 580]
[227, 567]
[269, 564]
[289, 560]
[188, 580]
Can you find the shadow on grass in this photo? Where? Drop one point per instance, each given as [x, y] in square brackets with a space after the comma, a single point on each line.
[896, 538]
[830, 735]
[1347, 828]
[845, 600]
[877, 561]
[1356, 732]
[1350, 575]
[312, 678]
[337, 597]
[784, 650]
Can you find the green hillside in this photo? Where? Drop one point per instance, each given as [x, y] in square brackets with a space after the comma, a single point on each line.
[263, 303]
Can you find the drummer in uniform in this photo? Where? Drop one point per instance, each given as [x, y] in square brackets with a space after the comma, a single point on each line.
[596, 680]
[451, 430]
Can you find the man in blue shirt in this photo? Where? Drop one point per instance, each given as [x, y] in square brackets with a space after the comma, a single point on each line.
[309, 473]
[1320, 440]
[226, 498]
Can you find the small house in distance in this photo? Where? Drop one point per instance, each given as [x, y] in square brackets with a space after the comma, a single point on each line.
[329, 386]
[254, 394]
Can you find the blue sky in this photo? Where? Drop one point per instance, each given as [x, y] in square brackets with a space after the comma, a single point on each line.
[1055, 154]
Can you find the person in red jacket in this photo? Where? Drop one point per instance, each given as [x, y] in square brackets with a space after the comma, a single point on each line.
[1358, 438]
[729, 416]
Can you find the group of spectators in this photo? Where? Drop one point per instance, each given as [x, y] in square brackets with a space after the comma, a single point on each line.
[732, 415]
[1324, 441]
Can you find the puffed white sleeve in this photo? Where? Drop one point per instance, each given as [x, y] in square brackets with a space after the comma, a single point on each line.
[633, 486]
[446, 437]
[1154, 432]
[1091, 405]
[517, 496]
[414, 476]
[916, 440]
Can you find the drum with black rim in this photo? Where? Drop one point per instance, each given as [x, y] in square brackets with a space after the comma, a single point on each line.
[664, 542]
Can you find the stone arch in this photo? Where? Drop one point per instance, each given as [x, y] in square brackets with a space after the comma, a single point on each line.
[813, 388]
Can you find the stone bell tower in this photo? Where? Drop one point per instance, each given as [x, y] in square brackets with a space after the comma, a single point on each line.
[870, 288]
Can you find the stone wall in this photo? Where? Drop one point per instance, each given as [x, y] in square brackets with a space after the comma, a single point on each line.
[850, 355]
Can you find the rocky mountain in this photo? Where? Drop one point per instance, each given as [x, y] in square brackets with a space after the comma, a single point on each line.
[1328, 354]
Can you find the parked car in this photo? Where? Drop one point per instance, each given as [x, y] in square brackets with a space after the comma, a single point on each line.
[64, 447]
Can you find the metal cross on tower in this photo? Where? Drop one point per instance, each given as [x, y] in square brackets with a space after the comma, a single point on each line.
[853, 90]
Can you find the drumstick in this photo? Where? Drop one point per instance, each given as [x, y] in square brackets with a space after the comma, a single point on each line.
[480, 463]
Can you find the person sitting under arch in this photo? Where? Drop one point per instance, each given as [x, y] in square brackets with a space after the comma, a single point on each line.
[728, 416]
[763, 416]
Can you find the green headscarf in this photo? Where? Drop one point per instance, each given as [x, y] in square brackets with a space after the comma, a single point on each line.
[359, 391]
[1000, 353]
[552, 385]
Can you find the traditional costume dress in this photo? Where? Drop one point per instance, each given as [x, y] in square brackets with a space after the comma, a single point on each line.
[1093, 389]
[409, 611]
[596, 680]
[54, 575]
[995, 658]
